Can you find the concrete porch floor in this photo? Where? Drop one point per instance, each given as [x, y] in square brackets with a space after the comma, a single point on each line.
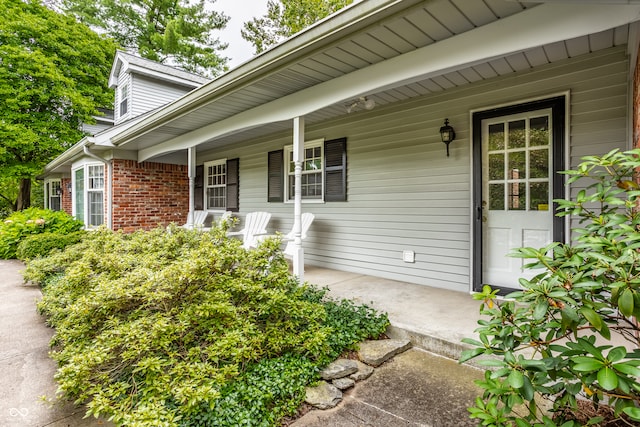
[434, 319]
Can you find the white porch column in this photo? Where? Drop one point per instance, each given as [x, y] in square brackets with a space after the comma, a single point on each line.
[192, 184]
[298, 157]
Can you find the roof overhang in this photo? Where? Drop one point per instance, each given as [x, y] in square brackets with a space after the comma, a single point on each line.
[429, 46]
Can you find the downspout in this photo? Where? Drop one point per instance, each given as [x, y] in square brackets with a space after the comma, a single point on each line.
[108, 165]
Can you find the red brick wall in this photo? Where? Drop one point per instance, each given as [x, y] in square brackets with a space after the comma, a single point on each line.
[148, 194]
[65, 184]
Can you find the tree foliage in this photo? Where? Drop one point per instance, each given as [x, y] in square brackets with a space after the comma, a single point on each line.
[53, 75]
[176, 32]
[571, 333]
[285, 18]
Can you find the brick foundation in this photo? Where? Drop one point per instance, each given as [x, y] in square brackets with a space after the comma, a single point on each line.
[147, 195]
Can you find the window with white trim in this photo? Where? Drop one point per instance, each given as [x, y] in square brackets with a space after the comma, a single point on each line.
[53, 194]
[312, 171]
[324, 172]
[88, 194]
[124, 99]
[215, 185]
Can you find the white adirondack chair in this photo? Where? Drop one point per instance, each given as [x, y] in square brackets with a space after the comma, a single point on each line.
[199, 217]
[255, 225]
[305, 221]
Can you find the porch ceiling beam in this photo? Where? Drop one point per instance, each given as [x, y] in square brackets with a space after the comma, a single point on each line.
[543, 24]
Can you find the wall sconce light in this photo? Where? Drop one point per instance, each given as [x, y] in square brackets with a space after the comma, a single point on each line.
[362, 102]
[447, 134]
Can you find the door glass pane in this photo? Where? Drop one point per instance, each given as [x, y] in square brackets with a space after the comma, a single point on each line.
[496, 137]
[496, 166]
[517, 134]
[496, 197]
[539, 134]
[517, 165]
[517, 196]
[539, 196]
[539, 163]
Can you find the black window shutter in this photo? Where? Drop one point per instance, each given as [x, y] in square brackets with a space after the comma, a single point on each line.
[198, 194]
[275, 183]
[335, 170]
[233, 185]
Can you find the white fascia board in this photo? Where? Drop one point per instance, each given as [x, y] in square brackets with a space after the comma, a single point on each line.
[65, 157]
[553, 23]
[136, 69]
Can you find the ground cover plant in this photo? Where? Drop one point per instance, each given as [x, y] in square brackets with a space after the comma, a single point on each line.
[182, 328]
[570, 336]
[21, 224]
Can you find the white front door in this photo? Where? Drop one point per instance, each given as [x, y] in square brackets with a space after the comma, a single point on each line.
[516, 192]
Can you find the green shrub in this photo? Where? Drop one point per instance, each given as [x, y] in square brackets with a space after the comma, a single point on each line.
[561, 336]
[31, 221]
[40, 245]
[183, 328]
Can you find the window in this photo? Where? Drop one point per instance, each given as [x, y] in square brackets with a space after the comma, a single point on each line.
[311, 172]
[124, 99]
[88, 204]
[95, 195]
[217, 185]
[324, 169]
[53, 194]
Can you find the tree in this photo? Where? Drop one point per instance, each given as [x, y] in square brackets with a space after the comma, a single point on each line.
[285, 18]
[53, 75]
[175, 32]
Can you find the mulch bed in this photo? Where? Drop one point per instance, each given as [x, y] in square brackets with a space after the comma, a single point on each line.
[587, 410]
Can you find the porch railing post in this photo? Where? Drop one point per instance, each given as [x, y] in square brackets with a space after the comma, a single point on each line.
[298, 157]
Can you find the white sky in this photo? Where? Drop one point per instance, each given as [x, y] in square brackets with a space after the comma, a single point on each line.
[240, 11]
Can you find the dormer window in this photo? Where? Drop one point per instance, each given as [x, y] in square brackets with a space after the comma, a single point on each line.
[124, 99]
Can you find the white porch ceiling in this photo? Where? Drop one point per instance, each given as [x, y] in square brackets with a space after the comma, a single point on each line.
[404, 30]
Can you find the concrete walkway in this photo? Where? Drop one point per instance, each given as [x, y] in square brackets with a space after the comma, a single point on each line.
[416, 388]
[27, 387]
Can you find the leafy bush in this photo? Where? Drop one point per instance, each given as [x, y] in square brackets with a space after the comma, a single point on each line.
[40, 245]
[189, 329]
[33, 221]
[571, 332]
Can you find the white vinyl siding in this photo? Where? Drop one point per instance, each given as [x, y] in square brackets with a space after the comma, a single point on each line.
[404, 193]
[148, 94]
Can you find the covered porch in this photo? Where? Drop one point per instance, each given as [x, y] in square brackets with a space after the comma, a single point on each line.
[434, 319]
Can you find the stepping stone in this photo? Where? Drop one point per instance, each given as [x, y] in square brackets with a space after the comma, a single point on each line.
[339, 369]
[323, 396]
[364, 372]
[376, 352]
[343, 383]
